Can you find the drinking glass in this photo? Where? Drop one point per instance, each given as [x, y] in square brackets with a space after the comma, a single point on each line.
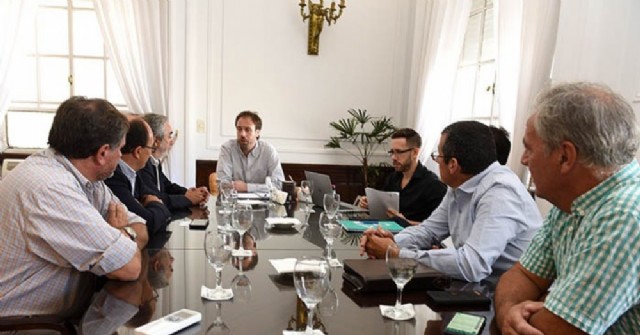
[311, 278]
[331, 230]
[226, 189]
[401, 270]
[306, 188]
[241, 287]
[218, 327]
[242, 219]
[331, 202]
[218, 247]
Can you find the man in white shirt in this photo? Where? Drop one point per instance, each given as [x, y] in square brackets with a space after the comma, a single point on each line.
[247, 160]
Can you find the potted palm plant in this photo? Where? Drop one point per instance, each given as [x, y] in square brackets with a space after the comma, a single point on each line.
[360, 135]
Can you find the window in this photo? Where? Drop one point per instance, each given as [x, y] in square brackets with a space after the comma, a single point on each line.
[63, 55]
[474, 91]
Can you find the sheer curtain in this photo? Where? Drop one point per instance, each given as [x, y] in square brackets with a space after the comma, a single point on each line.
[438, 39]
[526, 36]
[136, 36]
[13, 14]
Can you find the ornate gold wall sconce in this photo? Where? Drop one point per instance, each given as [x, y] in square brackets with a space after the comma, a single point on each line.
[316, 15]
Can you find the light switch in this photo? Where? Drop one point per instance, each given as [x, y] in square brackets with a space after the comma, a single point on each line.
[200, 126]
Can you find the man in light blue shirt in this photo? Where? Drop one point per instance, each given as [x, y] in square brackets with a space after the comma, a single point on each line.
[487, 211]
[247, 160]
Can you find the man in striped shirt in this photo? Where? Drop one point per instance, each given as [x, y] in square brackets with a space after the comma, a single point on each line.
[58, 219]
[581, 273]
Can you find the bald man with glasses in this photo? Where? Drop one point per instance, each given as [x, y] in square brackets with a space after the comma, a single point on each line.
[420, 189]
[175, 197]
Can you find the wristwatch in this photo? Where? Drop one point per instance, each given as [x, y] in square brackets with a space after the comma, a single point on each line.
[131, 232]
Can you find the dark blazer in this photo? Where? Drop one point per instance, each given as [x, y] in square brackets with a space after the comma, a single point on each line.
[156, 214]
[421, 196]
[171, 194]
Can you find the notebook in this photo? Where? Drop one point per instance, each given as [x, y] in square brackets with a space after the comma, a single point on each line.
[321, 186]
[354, 226]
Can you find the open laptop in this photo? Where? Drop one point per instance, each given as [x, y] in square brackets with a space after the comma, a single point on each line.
[321, 186]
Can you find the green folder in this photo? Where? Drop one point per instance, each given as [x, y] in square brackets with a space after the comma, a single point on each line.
[356, 226]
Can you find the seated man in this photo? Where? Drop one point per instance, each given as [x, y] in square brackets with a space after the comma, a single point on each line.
[57, 217]
[420, 189]
[580, 273]
[247, 160]
[487, 211]
[126, 184]
[174, 196]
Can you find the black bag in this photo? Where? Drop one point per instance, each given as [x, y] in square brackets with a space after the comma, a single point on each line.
[372, 275]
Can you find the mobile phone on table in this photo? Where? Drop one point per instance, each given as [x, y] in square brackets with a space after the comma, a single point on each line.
[465, 324]
[200, 224]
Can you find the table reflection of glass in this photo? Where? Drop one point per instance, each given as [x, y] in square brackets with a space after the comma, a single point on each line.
[218, 327]
[241, 284]
[242, 220]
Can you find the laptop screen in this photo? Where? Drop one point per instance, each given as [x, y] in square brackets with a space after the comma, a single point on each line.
[321, 186]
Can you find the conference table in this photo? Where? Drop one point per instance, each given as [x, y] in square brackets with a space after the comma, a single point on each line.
[264, 302]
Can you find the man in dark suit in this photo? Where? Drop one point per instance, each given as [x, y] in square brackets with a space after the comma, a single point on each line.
[128, 186]
[174, 196]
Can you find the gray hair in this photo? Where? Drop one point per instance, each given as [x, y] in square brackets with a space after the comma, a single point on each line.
[598, 121]
[156, 122]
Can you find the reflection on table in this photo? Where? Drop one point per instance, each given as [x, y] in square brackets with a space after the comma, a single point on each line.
[264, 301]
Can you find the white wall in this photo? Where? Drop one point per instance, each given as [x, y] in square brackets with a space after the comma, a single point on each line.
[252, 55]
[234, 55]
[599, 41]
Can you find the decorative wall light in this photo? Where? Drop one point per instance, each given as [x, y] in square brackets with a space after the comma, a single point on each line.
[316, 15]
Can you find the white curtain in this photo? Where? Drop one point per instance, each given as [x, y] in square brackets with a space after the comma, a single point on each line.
[13, 15]
[136, 35]
[526, 36]
[438, 39]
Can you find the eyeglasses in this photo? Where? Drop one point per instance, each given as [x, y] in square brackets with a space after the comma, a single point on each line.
[435, 156]
[173, 135]
[398, 151]
[153, 149]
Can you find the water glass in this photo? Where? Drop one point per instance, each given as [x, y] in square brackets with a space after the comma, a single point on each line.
[331, 202]
[311, 279]
[218, 247]
[306, 189]
[331, 230]
[242, 220]
[401, 271]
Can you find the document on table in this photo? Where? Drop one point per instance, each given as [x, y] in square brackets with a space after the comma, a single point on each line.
[253, 196]
[379, 201]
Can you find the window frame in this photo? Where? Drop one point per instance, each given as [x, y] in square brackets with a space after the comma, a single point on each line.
[39, 105]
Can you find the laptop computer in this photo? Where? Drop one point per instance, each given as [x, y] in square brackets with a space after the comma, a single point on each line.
[321, 186]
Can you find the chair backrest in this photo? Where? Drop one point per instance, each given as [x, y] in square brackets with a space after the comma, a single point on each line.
[8, 164]
[49, 322]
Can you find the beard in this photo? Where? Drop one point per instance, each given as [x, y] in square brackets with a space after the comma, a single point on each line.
[402, 166]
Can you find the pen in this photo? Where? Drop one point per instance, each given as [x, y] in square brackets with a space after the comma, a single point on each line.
[290, 178]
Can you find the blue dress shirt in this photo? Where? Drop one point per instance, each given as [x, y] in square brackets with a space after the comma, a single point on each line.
[491, 219]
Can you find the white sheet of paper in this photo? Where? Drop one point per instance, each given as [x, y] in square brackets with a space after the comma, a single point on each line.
[252, 195]
[284, 265]
[379, 201]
